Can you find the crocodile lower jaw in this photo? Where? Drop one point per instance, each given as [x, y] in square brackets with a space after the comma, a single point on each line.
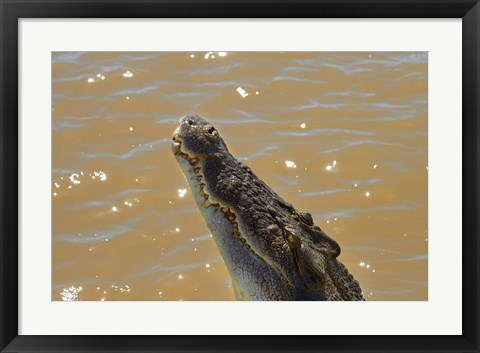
[195, 168]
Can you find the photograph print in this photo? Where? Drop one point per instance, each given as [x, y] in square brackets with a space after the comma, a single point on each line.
[229, 176]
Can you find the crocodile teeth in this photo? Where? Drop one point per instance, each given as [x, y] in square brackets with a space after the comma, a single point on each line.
[194, 162]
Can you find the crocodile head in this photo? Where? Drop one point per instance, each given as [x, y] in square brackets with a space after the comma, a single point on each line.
[271, 250]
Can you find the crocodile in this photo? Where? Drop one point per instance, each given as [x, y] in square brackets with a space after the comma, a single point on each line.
[271, 250]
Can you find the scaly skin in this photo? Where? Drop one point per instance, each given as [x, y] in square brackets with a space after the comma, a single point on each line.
[272, 251]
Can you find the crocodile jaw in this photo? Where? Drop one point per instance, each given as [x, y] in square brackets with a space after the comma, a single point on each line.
[225, 229]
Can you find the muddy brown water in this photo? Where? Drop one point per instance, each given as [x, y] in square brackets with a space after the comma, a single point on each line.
[340, 135]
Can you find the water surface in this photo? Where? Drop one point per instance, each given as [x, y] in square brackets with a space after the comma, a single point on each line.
[340, 135]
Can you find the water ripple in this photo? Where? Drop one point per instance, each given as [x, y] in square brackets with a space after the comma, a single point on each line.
[315, 132]
[93, 238]
[67, 57]
[315, 104]
[422, 257]
[349, 94]
[133, 91]
[324, 192]
[213, 71]
[360, 143]
[134, 151]
[381, 118]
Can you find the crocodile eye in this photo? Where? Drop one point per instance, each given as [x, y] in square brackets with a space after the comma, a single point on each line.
[292, 240]
[211, 134]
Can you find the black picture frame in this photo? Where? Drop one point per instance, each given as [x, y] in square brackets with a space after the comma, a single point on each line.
[11, 11]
